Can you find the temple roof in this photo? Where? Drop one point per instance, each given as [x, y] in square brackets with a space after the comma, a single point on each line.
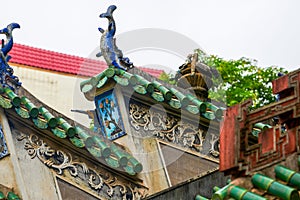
[285, 185]
[9, 196]
[144, 84]
[61, 127]
[54, 61]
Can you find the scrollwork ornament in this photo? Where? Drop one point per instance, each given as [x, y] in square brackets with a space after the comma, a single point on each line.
[215, 145]
[170, 129]
[61, 162]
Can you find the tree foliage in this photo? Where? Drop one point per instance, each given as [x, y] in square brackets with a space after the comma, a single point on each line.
[240, 80]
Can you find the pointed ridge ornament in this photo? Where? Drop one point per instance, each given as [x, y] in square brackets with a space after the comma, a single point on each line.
[7, 79]
[109, 50]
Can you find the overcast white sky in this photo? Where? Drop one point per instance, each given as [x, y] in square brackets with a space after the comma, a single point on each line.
[265, 30]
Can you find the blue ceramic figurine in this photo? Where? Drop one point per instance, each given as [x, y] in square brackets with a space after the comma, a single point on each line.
[7, 79]
[109, 50]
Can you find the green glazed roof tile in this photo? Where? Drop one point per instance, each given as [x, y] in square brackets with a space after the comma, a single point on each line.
[2, 196]
[105, 150]
[112, 162]
[131, 78]
[51, 120]
[121, 81]
[22, 112]
[12, 196]
[113, 155]
[77, 142]
[147, 84]
[69, 130]
[59, 132]
[137, 167]
[181, 97]
[129, 170]
[5, 103]
[42, 124]
[193, 109]
[286, 186]
[140, 89]
[157, 91]
[95, 151]
[33, 111]
[101, 82]
[15, 100]
[158, 96]
[175, 103]
[166, 93]
[88, 87]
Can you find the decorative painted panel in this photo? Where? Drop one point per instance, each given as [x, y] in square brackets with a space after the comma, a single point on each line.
[3, 146]
[110, 120]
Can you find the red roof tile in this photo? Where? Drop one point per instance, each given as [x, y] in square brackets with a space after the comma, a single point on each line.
[54, 61]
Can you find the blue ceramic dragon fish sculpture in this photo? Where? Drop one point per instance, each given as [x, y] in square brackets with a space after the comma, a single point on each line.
[109, 50]
[7, 79]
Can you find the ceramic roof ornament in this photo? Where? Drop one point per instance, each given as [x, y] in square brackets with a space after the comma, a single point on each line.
[109, 50]
[7, 79]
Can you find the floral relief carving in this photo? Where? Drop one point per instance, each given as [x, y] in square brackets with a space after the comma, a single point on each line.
[166, 127]
[102, 182]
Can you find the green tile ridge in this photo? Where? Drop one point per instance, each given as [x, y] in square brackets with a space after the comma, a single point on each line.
[184, 101]
[199, 197]
[33, 110]
[166, 92]
[105, 150]
[2, 196]
[156, 90]
[221, 193]
[10, 196]
[96, 146]
[201, 105]
[120, 80]
[140, 89]
[51, 120]
[69, 130]
[273, 187]
[147, 84]
[158, 96]
[137, 166]
[287, 175]
[259, 127]
[240, 193]
[15, 100]
[22, 112]
[175, 103]
[112, 162]
[131, 78]
[120, 155]
[129, 170]
[5, 103]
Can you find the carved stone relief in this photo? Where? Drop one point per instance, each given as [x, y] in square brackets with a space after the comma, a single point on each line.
[61, 162]
[168, 128]
[3, 146]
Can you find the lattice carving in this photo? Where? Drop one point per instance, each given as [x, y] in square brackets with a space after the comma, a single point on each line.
[62, 162]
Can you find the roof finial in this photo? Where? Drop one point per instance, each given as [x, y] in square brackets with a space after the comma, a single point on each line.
[7, 79]
[109, 50]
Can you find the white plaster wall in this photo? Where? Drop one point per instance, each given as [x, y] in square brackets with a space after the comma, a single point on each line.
[59, 91]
